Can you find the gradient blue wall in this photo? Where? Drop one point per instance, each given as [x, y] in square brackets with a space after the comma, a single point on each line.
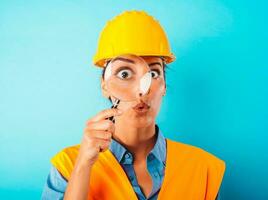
[217, 89]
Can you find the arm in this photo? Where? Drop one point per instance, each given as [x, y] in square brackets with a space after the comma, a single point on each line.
[55, 186]
[78, 186]
[96, 138]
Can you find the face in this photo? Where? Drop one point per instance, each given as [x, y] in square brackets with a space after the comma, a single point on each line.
[143, 109]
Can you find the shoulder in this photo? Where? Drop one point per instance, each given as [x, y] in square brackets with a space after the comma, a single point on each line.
[199, 161]
[64, 160]
[195, 153]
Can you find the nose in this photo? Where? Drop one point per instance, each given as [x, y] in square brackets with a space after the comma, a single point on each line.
[138, 95]
[144, 85]
[143, 98]
[148, 92]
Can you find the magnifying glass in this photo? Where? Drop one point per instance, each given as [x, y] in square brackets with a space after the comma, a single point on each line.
[127, 79]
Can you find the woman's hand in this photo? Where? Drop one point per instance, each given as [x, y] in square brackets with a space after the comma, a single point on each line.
[97, 136]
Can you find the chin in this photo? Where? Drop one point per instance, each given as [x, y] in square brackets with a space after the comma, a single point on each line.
[141, 121]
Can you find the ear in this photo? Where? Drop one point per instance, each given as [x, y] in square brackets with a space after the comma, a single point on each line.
[165, 90]
[105, 92]
[164, 93]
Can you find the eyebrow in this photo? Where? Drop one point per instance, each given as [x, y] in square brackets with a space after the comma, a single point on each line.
[123, 59]
[155, 63]
[133, 62]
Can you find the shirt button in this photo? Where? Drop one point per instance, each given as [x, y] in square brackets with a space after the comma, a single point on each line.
[131, 178]
[150, 157]
[127, 155]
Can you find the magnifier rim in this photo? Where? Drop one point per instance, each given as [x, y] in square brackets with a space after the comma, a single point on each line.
[108, 61]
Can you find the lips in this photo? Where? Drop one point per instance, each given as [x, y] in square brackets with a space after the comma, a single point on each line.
[141, 107]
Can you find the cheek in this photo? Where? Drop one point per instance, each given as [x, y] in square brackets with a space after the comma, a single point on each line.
[156, 94]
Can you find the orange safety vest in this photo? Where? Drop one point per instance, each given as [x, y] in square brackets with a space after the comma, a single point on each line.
[190, 174]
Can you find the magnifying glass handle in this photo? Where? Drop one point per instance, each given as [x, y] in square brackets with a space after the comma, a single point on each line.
[111, 118]
[114, 106]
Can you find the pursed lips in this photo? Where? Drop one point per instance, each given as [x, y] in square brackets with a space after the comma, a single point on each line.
[141, 107]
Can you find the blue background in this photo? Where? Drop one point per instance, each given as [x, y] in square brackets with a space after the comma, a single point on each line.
[217, 88]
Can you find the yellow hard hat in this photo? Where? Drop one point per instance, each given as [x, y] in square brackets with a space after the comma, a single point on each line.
[132, 32]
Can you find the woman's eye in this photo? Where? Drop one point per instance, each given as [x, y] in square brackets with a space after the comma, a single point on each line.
[155, 73]
[124, 74]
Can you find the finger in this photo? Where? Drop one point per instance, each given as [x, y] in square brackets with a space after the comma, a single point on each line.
[101, 144]
[106, 135]
[104, 125]
[104, 114]
[104, 147]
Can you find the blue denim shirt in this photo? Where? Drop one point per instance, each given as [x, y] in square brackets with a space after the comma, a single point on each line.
[156, 162]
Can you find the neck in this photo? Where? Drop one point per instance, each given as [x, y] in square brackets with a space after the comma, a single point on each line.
[139, 141]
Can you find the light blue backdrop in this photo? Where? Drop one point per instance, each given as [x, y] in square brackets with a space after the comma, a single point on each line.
[217, 89]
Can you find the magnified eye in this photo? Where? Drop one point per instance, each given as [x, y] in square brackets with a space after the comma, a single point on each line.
[124, 74]
[155, 73]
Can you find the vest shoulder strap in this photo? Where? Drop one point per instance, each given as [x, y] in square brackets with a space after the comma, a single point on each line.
[64, 160]
[184, 159]
[108, 179]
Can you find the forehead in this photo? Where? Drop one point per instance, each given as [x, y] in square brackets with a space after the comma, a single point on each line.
[137, 59]
[150, 59]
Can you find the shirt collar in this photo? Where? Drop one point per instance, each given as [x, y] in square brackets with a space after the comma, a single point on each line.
[159, 149]
[118, 150]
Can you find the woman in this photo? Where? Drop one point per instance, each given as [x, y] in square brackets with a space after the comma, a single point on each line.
[128, 157]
